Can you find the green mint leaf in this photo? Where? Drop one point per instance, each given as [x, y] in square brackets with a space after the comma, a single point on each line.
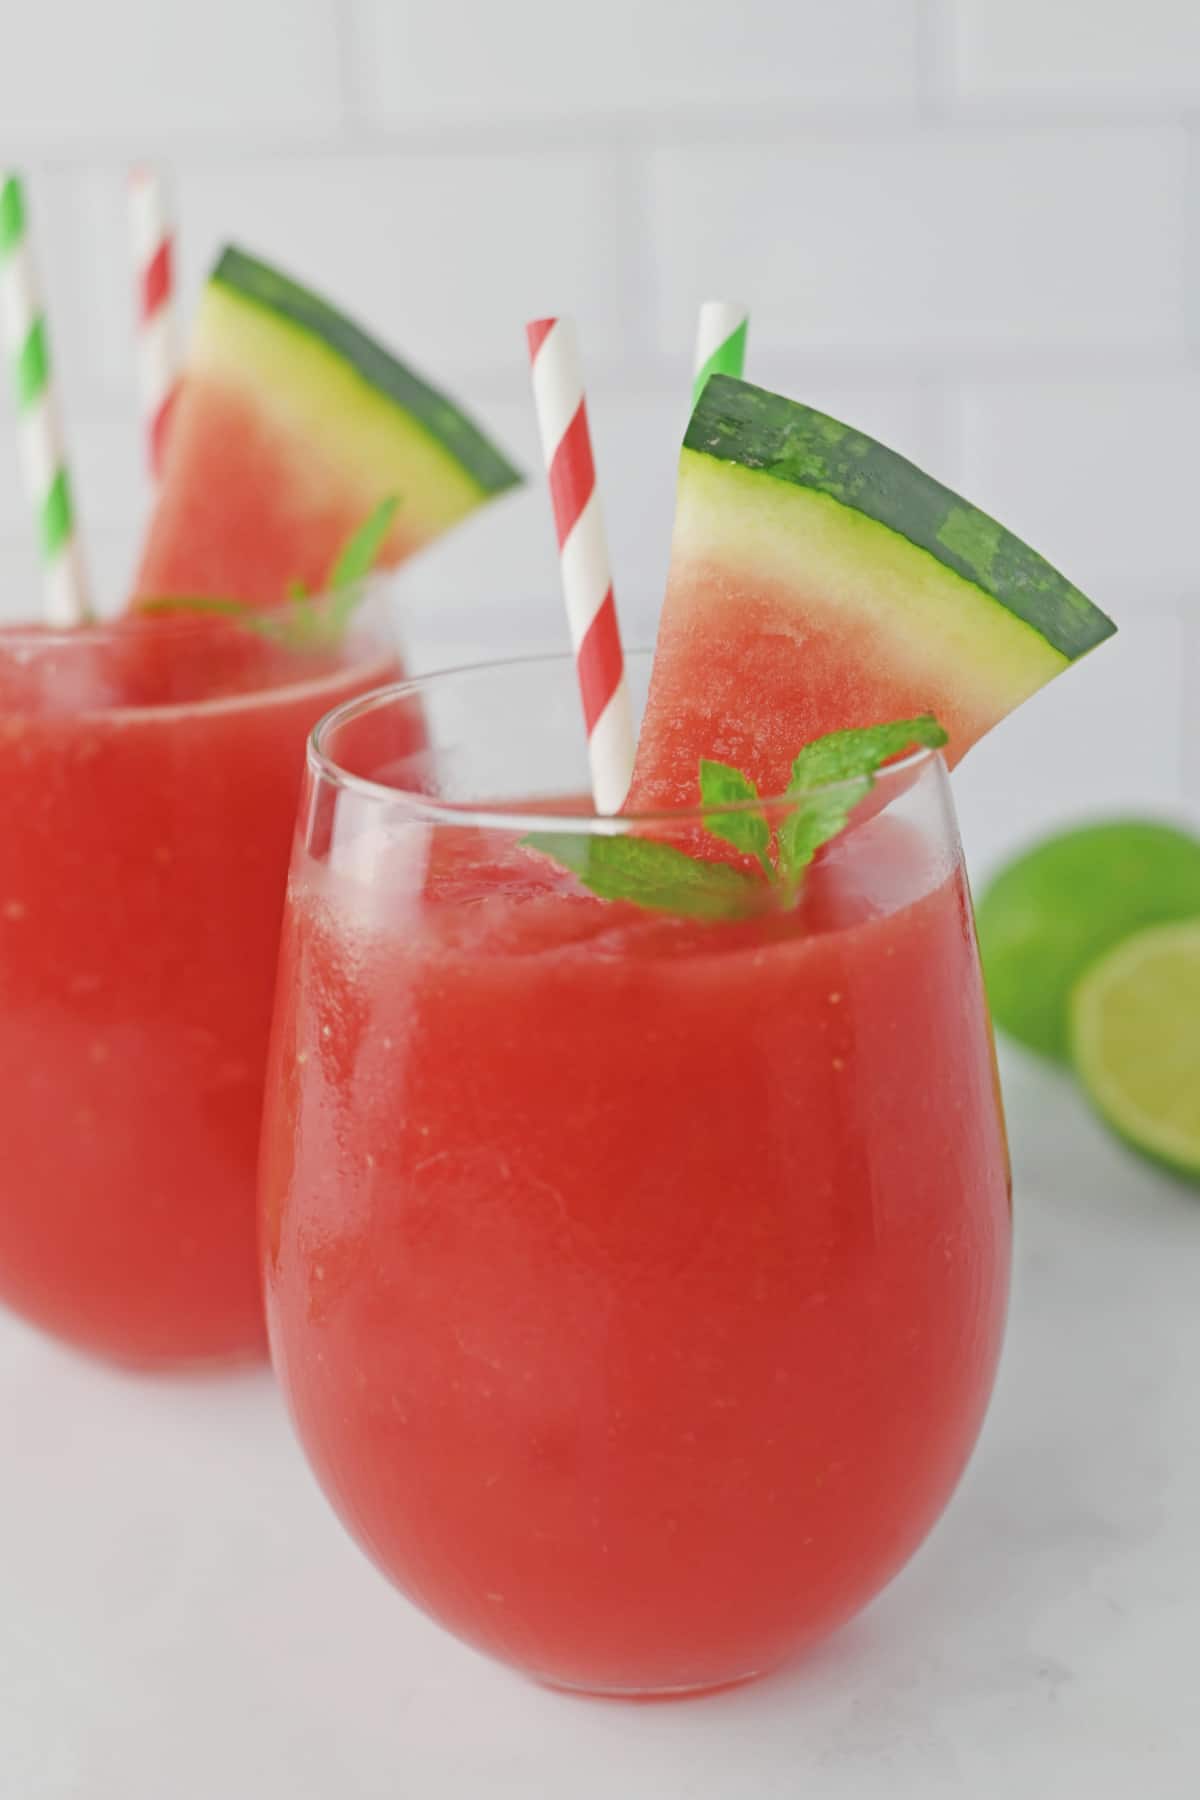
[357, 556]
[340, 608]
[188, 603]
[305, 625]
[320, 624]
[853, 759]
[747, 830]
[650, 874]
[307, 622]
[309, 627]
[263, 623]
[813, 821]
[829, 778]
[843, 755]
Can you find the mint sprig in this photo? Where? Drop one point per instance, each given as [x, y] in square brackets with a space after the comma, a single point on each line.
[747, 829]
[833, 773]
[650, 874]
[356, 558]
[308, 622]
[830, 776]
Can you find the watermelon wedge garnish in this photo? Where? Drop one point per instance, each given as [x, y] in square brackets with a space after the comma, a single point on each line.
[291, 427]
[820, 582]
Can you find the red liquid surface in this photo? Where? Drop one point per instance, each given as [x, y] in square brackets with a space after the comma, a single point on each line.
[637, 1285]
[150, 791]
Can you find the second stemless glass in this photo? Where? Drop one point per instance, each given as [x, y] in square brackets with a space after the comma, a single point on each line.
[636, 1282]
[150, 772]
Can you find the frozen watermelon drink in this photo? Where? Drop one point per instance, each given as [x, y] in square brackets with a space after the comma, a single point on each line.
[150, 776]
[151, 769]
[635, 1200]
[636, 1280]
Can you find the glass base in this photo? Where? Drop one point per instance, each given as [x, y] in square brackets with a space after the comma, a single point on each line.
[184, 1365]
[688, 1690]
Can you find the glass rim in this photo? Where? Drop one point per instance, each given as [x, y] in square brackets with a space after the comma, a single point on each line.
[503, 816]
[176, 620]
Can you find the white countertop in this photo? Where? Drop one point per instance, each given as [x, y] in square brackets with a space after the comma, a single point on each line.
[182, 1619]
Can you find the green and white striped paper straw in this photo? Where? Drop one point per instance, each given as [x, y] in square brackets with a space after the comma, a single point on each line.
[23, 330]
[720, 342]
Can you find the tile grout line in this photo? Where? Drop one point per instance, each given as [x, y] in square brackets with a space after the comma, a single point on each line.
[348, 44]
[934, 31]
[773, 126]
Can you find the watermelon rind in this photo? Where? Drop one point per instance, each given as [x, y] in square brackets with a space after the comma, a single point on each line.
[252, 282]
[737, 425]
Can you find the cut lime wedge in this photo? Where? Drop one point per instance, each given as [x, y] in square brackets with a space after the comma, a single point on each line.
[1135, 1038]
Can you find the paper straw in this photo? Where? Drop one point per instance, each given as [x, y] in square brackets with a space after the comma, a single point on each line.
[583, 555]
[152, 242]
[720, 342]
[27, 344]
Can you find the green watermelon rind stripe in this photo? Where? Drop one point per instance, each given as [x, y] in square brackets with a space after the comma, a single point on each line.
[249, 279]
[735, 422]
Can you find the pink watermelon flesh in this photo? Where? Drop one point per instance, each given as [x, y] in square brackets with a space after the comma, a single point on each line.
[750, 676]
[228, 521]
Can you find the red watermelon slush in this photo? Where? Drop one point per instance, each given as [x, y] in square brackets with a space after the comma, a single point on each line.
[150, 773]
[636, 1283]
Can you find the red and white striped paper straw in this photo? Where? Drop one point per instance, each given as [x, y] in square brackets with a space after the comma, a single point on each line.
[583, 555]
[152, 241]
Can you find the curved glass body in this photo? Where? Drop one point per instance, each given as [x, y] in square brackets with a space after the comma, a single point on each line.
[150, 772]
[636, 1282]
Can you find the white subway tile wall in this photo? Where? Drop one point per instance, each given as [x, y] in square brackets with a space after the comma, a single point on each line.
[528, 60]
[76, 75]
[1065, 50]
[969, 226]
[930, 243]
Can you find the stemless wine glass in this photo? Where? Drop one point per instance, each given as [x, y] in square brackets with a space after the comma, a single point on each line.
[150, 770]
[636, 1281]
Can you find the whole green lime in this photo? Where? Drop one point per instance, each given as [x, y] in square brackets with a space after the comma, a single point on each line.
[1053, 911]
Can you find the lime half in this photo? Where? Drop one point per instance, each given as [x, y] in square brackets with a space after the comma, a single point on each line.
[1135, 1037]
[1050, 914]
